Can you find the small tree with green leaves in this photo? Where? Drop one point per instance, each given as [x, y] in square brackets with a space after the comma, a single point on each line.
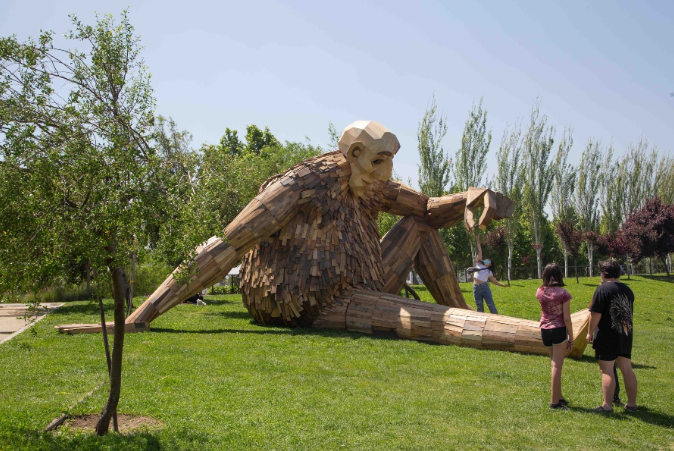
[79, 174]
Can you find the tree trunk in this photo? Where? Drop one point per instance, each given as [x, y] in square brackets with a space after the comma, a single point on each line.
[88, 270]
[664, 261]
[575, 262]
[118, 346]
[510, 261]
[590, 256]
[566, 262]
[104, 329]
[650, 265]
[540, 262]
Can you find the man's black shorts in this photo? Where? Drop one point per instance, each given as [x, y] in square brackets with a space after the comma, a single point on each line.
[554, 336]
[609, 356]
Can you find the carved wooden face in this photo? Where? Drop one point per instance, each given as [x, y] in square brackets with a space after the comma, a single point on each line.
[367, 165]
[369, 148]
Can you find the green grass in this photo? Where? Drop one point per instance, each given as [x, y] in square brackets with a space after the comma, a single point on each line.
[218, 381]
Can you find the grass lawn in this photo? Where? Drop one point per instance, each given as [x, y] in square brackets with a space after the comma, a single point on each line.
[219, 382]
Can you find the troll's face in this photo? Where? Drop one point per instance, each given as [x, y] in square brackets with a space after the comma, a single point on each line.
[369, 148]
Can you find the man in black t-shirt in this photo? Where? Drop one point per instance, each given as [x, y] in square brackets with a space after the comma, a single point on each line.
[611, 314]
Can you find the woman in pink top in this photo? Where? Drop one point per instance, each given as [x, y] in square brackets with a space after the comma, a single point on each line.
[556, 329]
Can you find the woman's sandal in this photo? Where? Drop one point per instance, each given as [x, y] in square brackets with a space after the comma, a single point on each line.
[601, 409]
[630, 408]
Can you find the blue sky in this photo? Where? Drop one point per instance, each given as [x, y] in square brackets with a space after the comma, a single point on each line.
[606, 68]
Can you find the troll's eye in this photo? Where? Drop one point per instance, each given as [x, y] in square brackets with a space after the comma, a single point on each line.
[377, 161]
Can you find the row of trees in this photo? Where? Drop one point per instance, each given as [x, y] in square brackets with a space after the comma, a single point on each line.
[594, 197]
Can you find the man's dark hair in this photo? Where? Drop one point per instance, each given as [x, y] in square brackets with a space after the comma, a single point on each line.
[610, 269]
[552, 276]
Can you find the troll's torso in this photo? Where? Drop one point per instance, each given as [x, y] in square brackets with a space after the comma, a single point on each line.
[330, 244]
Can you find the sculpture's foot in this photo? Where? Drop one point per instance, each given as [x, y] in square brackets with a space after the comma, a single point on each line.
[374, 312]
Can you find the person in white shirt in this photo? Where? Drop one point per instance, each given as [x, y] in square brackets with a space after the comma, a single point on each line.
[481, 277]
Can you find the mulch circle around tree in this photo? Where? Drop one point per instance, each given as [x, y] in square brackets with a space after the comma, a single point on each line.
[126, 423]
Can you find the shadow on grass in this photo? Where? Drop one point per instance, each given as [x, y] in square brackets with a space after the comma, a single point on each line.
[142, 440]
[643, 414]
[590, 359]
[660, 278]
[279, 330]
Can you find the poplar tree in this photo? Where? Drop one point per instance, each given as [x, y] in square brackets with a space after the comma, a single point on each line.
[587, 188]
[564, 179]
[538, 174]
[509, 179]
[470, 162]
[435, 168]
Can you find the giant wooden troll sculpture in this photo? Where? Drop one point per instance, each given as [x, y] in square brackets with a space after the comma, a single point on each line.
[312, 256]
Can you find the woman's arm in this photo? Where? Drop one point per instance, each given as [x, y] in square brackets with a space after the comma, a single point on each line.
[567, 320]
[493, 280]
[479, 248]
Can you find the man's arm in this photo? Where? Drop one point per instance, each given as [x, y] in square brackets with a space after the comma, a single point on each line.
[594, 322]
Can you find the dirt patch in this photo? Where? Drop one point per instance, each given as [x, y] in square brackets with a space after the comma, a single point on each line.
[126, 423]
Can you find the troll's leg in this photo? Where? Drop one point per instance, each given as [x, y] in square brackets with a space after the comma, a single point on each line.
[413, 243]
[212, 263]
[374, 312]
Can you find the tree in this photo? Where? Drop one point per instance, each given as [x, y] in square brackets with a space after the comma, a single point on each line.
[572, 240]
[639, 166]
[651, 228]
[79, 171]
[564, 179]
[497, 240]
[470, 162]
[435, 169]
[587, 187]
[664, 180]
[256, 139]
[509, 179]
[333, 144]
[611, 188]
[538, 174]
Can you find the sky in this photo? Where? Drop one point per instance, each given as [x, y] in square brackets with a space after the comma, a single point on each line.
[604, 68]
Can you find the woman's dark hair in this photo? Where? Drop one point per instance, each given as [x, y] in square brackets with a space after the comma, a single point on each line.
[491, 267]
[610, 269]
[552, 276]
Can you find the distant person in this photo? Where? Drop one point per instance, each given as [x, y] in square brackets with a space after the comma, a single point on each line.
[556, 328]
[611, 314]
[482, 275]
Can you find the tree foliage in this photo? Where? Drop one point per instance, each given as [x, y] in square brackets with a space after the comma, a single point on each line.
[435, 169]
[470, 161]
[538, 173]
[80, 177]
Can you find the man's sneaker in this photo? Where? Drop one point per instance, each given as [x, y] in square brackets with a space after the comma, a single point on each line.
[560, 405]
[564, 401]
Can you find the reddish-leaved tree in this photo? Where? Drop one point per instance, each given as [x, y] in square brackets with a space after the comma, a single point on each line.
[650, 231]
[497, 240]
[572, 239]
